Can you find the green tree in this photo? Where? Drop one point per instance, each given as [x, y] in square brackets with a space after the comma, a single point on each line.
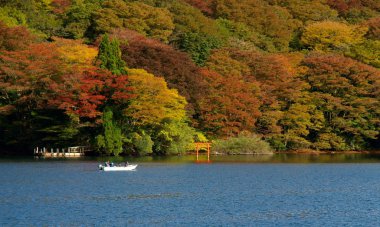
[235, 29]
[12, 17]
[367, 52]
[173, 137]
[39, 16]
[244, 143]
[143, 143]
[77, 19]
[198, 46]
[110, 56]
[111, 140]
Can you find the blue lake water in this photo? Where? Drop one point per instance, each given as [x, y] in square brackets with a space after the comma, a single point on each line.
[175, 193]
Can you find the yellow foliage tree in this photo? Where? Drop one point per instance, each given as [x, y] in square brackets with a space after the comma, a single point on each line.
[307, 11]
[332, 36]
[153, 101]
[296, 123]
[74, 52]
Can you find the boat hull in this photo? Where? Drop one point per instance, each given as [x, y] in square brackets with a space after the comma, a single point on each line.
[118, 168]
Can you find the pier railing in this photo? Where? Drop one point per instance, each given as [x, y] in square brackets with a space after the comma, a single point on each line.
[76, 151]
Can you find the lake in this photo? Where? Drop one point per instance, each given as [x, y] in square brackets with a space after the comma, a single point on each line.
[278, 190]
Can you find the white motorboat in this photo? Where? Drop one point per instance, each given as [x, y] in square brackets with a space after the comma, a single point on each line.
[128, 167]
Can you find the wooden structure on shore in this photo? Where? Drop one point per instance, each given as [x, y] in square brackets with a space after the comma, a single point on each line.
[200, 145]
[77, 151]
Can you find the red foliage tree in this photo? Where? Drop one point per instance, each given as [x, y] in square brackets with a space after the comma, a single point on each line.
[80, 94]
[60, 6]
[343, 6]
[373, 28]
[203, 5]
[27, 75]
[14, 38]
[230, 106]
[37, 89]
[36, 78]
[86, 93]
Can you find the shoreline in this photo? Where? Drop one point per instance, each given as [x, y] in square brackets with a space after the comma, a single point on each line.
[294, 152]
[301, 152]
[326, 152]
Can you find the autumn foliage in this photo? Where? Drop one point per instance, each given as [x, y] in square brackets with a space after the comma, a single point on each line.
[230, 105]
[152, 77]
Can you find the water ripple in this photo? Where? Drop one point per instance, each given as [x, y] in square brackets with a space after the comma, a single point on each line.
[77, 194]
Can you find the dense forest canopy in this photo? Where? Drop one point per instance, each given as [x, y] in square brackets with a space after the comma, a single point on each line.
[153, 76]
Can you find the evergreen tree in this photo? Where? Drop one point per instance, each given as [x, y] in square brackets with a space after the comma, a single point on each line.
[112, 139]
[110, 56]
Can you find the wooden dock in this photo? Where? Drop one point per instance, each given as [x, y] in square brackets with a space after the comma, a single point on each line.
[70, 152]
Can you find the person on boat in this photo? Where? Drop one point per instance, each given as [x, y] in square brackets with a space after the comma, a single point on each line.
[107, 163]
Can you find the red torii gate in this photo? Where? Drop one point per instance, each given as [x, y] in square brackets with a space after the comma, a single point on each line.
[199, 145]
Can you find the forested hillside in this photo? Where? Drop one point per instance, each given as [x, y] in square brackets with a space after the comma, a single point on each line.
[153, 76]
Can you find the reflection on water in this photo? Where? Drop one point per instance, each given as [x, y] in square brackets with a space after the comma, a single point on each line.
[258, 190]
[267, 158]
